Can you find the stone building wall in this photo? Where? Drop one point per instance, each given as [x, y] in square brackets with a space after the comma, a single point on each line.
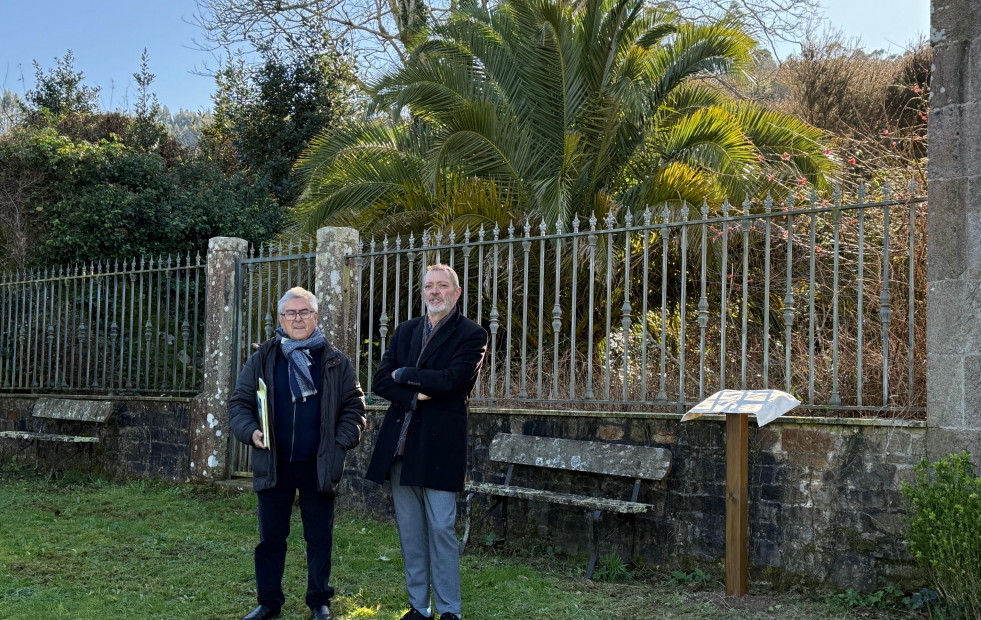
[825, 504]
[142, 437]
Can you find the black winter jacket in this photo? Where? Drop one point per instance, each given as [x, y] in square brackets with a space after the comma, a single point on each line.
[342, 416]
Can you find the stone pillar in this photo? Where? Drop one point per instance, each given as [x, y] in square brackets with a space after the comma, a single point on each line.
[338, 287]
[209, 411]
[954, 231]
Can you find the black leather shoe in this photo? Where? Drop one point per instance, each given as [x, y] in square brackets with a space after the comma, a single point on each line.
[415, 614]
[262, 613]
[321, 613]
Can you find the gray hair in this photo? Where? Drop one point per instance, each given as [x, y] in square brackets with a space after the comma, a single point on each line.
[298, 292]
[441, 267]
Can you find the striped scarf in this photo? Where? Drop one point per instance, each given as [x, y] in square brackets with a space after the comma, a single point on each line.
[300, 356]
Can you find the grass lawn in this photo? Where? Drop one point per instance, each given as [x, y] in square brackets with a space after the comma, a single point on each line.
[75, 548]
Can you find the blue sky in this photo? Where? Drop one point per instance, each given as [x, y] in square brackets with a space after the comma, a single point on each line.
[108, 36]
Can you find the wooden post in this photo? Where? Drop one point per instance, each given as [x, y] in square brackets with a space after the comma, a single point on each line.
[737, 504]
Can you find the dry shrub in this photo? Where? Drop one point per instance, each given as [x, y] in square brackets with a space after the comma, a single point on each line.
[874, 107]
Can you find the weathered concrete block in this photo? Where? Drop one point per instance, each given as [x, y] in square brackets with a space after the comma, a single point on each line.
[952, 84]
[945, 390]
[952, 308]
[946, 229]
[946, 138]
[806, 440]
[942, 441]
[971, 370]
[953, 20]
[854, 571]
[609, 432]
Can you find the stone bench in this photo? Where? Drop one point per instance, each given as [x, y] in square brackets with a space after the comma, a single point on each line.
[588, 457]
[45, 409]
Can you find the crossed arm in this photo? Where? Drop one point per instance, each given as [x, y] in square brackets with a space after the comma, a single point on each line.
[458, 375]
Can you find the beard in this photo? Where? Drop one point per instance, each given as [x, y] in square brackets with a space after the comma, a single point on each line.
[438, 307]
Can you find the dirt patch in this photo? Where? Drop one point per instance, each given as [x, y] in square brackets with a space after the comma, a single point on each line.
[750, 602]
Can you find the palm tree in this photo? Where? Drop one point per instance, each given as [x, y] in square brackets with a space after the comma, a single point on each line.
[546, 109]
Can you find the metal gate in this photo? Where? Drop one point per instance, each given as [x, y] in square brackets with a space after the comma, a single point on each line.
[260, 280]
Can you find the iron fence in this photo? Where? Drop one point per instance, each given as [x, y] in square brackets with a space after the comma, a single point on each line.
[819, 298]
[135, 327]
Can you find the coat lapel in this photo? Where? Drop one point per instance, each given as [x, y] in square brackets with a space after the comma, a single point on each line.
[415, 343]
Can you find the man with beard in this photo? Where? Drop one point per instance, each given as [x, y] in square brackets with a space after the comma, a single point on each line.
[427, 375]
[316, 414]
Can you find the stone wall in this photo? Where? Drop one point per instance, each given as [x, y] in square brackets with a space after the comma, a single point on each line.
[953, 345]
[825, 505]
[824, 502]
[142, 437]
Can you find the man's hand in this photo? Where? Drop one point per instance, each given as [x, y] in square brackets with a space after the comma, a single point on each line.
[422, 396]
[257, 439]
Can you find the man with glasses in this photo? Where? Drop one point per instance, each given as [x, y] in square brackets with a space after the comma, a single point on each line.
[316, 414]
[427, 375]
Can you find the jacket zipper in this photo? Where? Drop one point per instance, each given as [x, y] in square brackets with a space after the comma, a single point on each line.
[293, 442]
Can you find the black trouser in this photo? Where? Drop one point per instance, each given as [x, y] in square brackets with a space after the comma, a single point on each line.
[317, 513]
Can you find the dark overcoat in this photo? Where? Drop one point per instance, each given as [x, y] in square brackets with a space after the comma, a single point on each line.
[435, 454]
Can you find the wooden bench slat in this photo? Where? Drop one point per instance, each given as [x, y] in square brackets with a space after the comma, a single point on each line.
[48, 437]
[73, 409]
[593, 503]
[587, 456]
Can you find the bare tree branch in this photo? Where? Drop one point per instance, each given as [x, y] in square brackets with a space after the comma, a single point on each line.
[768, 21]
[377, 32]
[374, 32]
[17, 222]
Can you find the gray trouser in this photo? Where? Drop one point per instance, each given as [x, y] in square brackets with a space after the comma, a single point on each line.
[426, 520]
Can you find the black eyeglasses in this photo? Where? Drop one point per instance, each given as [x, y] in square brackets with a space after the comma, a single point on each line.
[292, 315]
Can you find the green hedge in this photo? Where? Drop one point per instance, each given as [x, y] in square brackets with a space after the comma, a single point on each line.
[945, 529]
